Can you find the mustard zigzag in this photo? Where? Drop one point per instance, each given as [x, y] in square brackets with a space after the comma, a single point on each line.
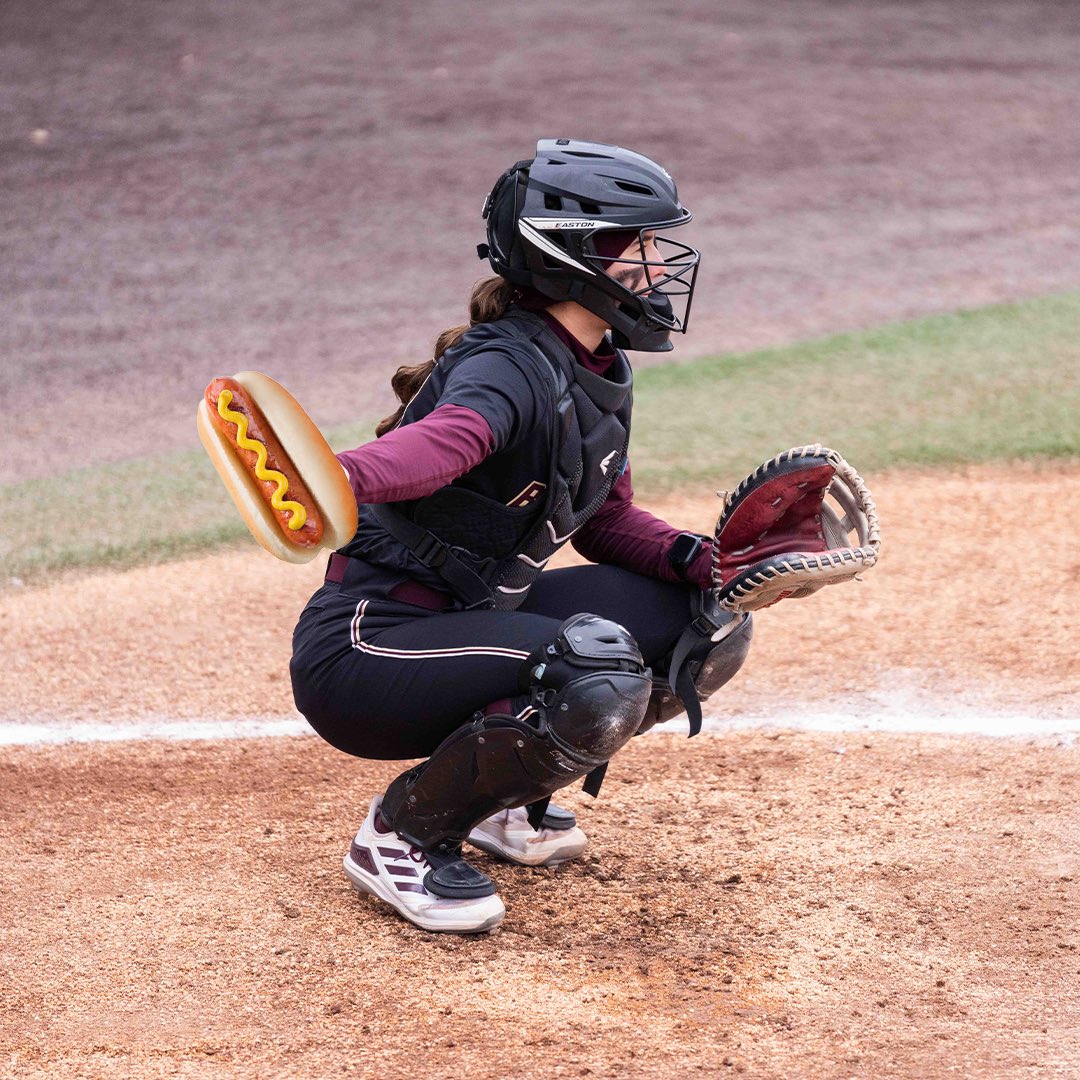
[297, 514]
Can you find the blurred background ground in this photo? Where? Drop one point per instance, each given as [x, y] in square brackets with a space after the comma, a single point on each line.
[196, 188]
[954, 616]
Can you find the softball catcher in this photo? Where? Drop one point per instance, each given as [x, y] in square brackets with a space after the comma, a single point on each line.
[439, 634]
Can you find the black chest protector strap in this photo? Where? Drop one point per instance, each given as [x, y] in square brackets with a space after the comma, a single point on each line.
[466, 583]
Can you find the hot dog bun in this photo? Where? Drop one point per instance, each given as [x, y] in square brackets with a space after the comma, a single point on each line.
[241, 423]
[311, 460]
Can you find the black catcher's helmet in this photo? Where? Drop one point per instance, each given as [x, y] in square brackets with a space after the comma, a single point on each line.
[546, 222]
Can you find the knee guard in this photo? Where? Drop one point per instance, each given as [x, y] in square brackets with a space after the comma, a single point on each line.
[707, 655]
[587, 693]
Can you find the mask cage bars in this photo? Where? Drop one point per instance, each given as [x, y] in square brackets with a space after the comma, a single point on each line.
[678, 276]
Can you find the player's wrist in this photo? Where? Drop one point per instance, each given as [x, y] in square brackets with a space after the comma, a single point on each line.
[690, 557]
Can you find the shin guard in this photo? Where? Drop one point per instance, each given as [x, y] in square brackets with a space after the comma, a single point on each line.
[588, 692]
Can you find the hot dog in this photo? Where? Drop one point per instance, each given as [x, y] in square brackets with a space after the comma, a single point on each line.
[235, 414]
[283, 477]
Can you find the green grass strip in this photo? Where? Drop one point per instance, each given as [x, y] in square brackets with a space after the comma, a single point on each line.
[128, 513]
[998, 383]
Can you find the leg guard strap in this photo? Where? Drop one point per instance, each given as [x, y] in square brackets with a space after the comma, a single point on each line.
[707, 655]
[537, 812]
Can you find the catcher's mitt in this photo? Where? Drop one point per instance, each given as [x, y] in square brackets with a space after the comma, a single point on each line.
[801, 521]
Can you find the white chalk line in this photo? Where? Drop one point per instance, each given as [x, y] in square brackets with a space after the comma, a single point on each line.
[900, 718]
[38, 733]
[987, 725]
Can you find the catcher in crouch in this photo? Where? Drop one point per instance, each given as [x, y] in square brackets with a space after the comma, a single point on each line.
[439, 634]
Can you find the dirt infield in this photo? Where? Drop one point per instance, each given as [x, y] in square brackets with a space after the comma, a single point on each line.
[777, 905]
[947, 617]
[773, 903]
[187, 189]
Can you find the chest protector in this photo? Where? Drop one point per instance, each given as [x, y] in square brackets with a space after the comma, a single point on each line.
[487, 551]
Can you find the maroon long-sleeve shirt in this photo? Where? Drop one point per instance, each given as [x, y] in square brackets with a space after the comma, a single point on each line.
[419, 458]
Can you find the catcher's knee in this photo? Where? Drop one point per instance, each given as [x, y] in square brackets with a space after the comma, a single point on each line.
[718, 645]
[590, 686]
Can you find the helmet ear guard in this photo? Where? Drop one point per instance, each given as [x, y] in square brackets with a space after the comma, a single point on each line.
[501, 210]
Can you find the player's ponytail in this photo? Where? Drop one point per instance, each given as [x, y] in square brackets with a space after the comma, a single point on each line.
[489, 301]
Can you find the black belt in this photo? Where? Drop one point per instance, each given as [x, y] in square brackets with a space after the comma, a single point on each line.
[408, 591]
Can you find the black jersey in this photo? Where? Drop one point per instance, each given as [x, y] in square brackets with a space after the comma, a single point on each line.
[560, 433]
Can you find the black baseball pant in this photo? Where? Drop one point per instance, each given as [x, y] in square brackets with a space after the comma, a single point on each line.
[387, 680]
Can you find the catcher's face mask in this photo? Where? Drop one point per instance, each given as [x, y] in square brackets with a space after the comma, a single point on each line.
[656, 273]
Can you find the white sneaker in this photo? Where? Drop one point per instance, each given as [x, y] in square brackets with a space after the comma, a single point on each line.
[509, 835]
[383, 864]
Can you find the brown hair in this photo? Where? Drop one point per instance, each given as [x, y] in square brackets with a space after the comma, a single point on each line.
[489, 301]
